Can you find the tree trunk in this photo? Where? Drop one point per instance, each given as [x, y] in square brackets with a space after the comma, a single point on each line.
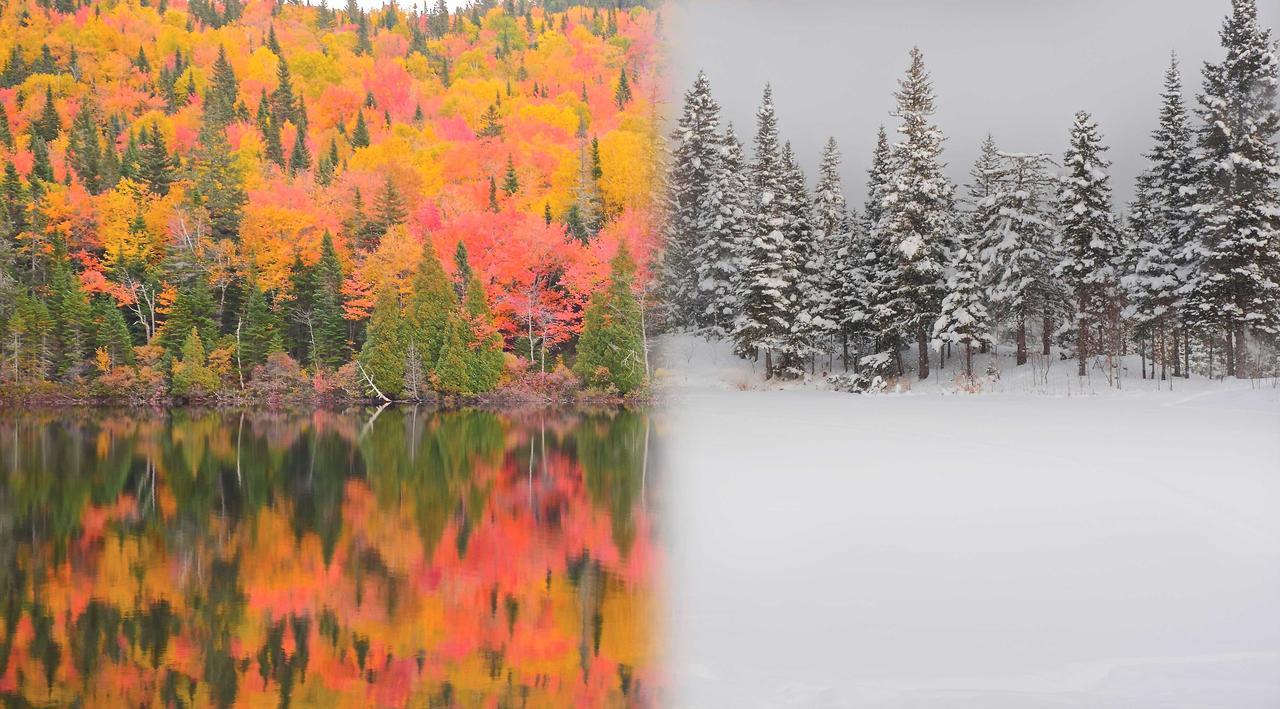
[768, 364]
[1082, 339]
[1164, 351]
[1174, 352]
[1229, 354]
[1241, 354]
[1046, 335]
[922, 349]
[968, 359]
[1186, 352]
[845, 347]
[1022, 340]
[1142, 353]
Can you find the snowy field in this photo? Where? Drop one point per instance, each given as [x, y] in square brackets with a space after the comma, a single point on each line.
[1012, 550]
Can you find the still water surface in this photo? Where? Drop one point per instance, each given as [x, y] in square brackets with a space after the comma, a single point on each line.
[392, 558]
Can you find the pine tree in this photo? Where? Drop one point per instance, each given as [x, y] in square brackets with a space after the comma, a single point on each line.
[622, 93]
[1237, 285]
[192, 310]
[611, 347]
[1090, 241]
[192, 378]
[258, 333]
[724, 228]
[329, 327]
[881, 266]
[511, 183]
[764, 320]
[493, 195]
[490, 123]
[453, 365]
[431, 304]
[69, 311]
[28, 344]
[85, 151]
[111, 332]
[693, 161]
[1160, 227]
[220, 97]
[485, 342]
[840, 278]
[6, 131]
[963, 319]
[388, 207]
[41, 166]
[918, 221]
[461, 269]
[218, 185]
[360, 134]
[363, 44]
[155, 167]
[284, 106]
[47, 125]
[300, 156]
[803, 257]
[1018, 255]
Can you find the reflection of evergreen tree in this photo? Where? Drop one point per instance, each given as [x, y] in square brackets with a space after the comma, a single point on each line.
[611, 450]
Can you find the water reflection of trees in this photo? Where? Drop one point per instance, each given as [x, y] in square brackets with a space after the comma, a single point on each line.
[457, 557]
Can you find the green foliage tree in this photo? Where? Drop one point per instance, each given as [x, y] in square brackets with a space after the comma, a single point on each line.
[192, 378]
[611, 347]
[382, 358]
[259, 333]
[111, 332]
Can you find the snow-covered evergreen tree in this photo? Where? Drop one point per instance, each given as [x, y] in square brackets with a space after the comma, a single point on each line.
[1160, 225]
[880, 269]
[1017, 256]
[805, 254]
[842, 280]
[1090, 240]
[979, 203]
[964, 319]
[763, 324]
[695, 144]
[918, 220]
[1236, 288]
[724, 226]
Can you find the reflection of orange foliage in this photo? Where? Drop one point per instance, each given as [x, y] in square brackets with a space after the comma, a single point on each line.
[509, 615]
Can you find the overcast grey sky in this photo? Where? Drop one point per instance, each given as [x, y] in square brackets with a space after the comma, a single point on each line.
[1019, 69]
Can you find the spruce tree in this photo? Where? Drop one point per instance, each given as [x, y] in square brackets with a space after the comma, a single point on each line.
[1236, 289]
[840, 278]
[70, 312]
[47, 125]
[220, 96]
[85, 150]
[6, 131]
[918, 221]
[485, 343]
[622, 93]
[764, 320]
[1090, 241]
[1161, 222]
[964, 319]
[611, 347]
[360, 134]
[218, 185]
[461, 269]
[192, 310]
[29, 342]
[803, 257]
[258, 333]
[155, 167]
[1018, 255]
[432, 303]
[881, 266]
[329, 326]
[388, 207]
[693, 161]
[111, 332]
[511, 183]
[724, 228]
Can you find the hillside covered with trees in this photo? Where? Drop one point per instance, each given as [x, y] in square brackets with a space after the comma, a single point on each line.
[208, 199]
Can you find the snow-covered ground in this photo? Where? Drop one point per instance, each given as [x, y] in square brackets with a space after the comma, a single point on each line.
[1020, 549]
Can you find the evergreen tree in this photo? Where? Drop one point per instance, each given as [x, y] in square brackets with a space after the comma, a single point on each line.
[692, 162]
[155, 167]
[493, 195]
[431, 304]
[881, 267]
[300, 156]
[284, 106]
[1018, 255]
[360, 134]
[1236, 289]
[388, 208]
[461, 269]
[111, 332]
[840, 278]
[328, 325]
[220, 97]
[453, 365]
[724, 227]
[764, 320]
[622, 93]
[28, 345]
[259, 333]
[1160, 227]
[85, 151]
[6, 131]
[485, 344]
[41, 166]
[511, 183]
[363, 43]
[1090, 240]
[490, 123]
[192, 378]
[611, 347]
[963, 319]
[192, 309]
[218, 185]
[803, 259]
[70, 312]
[47, 125]
[918, 221]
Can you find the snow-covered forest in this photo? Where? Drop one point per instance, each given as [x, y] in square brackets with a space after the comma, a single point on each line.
[1031, 253]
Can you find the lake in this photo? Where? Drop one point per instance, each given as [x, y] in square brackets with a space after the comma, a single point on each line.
[364, 558]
